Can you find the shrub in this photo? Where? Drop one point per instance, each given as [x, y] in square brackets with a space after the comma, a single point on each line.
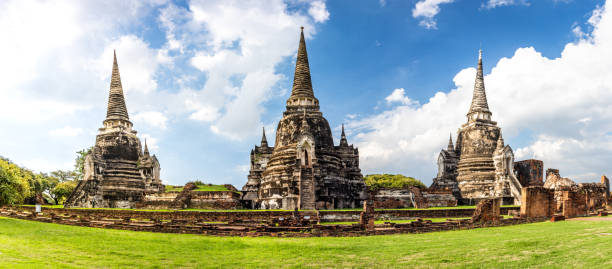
[388, 181]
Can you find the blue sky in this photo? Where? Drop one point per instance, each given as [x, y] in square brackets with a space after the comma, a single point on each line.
[202, 78]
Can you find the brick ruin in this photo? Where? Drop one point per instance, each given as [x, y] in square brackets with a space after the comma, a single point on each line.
[488, 210]
[189, 197]
[413, 197]
[264, 223]
[304, 169]
[529, 172]
[562, 196]
[117, 172]
[480, 166]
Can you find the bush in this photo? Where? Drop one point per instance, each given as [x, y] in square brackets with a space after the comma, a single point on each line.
[63, 190]
[388, 181]
[14, 183]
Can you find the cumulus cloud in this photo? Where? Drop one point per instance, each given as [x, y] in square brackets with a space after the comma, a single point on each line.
[318, 11]
[499, 3]
[66, 131]
[560, 106]
[217, 65]
[244, 42]
[426, 11]
[152, 142]
[152, 118]
[399, 96]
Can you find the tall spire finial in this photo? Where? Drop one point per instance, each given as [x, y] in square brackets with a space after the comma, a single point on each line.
[450, 146]
[479, 98]
[302, 84]
[500, 141]
[343, 141]
[305, 127]
[116, 102]
[146, 148]
[264, 140]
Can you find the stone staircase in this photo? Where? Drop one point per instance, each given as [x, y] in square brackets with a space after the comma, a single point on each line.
[307, 189]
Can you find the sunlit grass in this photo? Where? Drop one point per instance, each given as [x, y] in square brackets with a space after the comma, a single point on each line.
[569, 244]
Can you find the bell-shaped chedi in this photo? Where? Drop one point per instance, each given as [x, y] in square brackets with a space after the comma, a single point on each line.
[304, 169]
[117, 173]
[480, 165]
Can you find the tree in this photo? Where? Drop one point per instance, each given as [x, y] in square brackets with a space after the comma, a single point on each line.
[63, 190]
[80, 163]
[388, 181]
[14, 185]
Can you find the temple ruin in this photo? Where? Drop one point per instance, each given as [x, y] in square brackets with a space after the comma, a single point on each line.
[117, 172]
[304, 169]
[480, 165]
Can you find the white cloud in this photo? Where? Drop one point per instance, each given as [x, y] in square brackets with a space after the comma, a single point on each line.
[66, 131]
[152, 142]
[426, 10]
[152, 118]
[243, 41]
[399, 96]
[318, 11]
[499, 3]
[563, 103]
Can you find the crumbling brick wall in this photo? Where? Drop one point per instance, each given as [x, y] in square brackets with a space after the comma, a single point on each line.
[487, 210]
[537, 201]
[529, 172]
[573, 203]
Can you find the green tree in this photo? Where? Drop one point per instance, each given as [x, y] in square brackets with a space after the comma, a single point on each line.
[14, 183]
[80, 163]
[63, 190]
[388, 181]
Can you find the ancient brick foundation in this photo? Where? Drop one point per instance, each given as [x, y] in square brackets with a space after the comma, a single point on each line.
[413, 197]
[529, 172]
[487, 210]
[270, 223]
[537, 202]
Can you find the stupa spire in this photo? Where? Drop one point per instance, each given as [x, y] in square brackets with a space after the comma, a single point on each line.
[450, 146]
[264, 140]
[479, 98]
[305, 129]
[343, 141]
[302, 84]
[500, 141]
[146, 148]
[116, 109]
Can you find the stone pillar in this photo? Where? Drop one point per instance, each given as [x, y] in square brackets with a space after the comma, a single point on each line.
[366, 219]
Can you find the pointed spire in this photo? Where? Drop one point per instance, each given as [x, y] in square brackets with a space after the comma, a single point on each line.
[116, 102]
[450, 146]
[302, 84]
[146, 148]
[343, 141]
[264, 140]
[500, 141]
[479, 98]
[305, 127]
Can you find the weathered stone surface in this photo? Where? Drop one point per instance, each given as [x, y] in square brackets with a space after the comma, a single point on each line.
[117, 173]
[487, 210]
[480, 165]
[189, 197]
[530, 172]
[304, 169]
[537, 201]
[366, 219]
[413, 197]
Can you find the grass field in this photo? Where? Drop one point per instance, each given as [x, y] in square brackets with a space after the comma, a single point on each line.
[569, 244]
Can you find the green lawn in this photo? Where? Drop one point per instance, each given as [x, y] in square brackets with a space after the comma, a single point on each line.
[569, 244]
